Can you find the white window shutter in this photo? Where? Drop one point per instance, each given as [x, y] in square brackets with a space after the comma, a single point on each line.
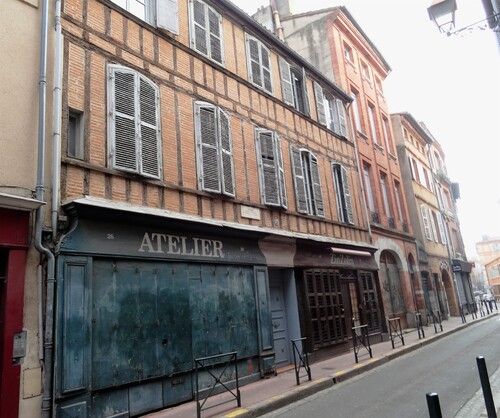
[124, 113]
[226, 154]
[215, 33]
[298, 177]
[433, 224]
[279, 156]
[253, 61]
[150, 128]
[425, 220]
[268, 165]
[307, 106]
[207, 149]
[317, 193]
[342, 119]
[167, 18]
[320, 103]
[266, 68]
[199, 37]
[347, 196]
[441, 228]
[286, 82]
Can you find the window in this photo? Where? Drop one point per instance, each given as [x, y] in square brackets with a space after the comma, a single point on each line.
[368, 187]
[134, 135]
[373, 123]
[433, 224]
[355, 109]
[330, 111]
[259, 64]
[160, 13]
[441, 228]
[425, 221]
[342, 195]
[385, 195]
[206, 31]
[378, 86]
[293, 86]
[214, 149]
[387, 137]
[75, 135]
[412, 170]
[397, 193]
[349, 55]
[307, 182]
[272, 176]
[365, 71]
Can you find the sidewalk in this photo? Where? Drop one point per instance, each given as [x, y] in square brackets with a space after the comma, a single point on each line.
[270, 394]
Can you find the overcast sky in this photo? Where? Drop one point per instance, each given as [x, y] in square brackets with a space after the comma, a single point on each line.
[452, 84]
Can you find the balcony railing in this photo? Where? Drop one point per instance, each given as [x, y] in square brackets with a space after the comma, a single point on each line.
[405, 227]
[375, 218]
[392, 224]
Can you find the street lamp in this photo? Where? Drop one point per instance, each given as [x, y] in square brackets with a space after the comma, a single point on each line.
[442, 13]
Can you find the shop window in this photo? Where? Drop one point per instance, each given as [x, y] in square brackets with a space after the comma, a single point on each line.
[259, 64]
[206, 30]
[214, 149]
[160, 13]
[308, 194]
[75, 135]
[330, 110]
[134, 135]
[271, 173]
[342, 195]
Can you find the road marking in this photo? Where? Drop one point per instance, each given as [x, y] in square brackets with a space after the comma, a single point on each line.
[236, 413]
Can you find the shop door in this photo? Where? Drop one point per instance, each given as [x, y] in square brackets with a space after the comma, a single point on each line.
[425, 287]
[278, 317]
[369, 302]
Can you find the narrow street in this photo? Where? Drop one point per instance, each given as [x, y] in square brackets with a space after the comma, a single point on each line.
[398, 388]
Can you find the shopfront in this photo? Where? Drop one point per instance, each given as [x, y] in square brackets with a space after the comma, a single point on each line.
[139, 298]
[337, 289]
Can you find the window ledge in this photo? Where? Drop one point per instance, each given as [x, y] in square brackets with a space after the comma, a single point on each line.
[363, 135]
[393, 156]
[378, 146]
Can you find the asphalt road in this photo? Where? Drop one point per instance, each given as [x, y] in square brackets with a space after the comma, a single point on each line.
[398, 388]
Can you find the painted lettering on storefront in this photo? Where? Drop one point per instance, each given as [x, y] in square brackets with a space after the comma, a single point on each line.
[342, 259]
[178, 245]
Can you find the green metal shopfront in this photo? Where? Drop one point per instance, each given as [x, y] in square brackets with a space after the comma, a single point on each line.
[139, 300]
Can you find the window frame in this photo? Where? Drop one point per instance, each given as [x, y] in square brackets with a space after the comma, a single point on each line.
[342, 193]
[330, 111]
[294, 86]
[373, 123]
[221, 152]
[386, 199]
[78, 137]
[208, 34]
[425, 221]
[356, 110]
[114, 114]
[261, 47]
[276, 169]
[368, 187]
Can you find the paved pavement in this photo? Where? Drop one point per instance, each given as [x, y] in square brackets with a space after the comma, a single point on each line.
[267, 395]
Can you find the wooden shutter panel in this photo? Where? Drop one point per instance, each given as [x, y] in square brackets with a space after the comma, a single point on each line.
[318, 195]
[298, 177]
[254, 61]
[208, 157]
[266, 69]
[307, 106]
[441, 228]
[167, 15]
[342, 119]
[124, 116]
[150, 133]
[269, 172]
[320, 103]
[425, 219]
[215, 30]
[199, 37]
[226, 154]
[281, 172]
[286, 82]
[347, 195]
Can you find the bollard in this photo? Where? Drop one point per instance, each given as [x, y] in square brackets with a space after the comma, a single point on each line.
[485, 384]
[433, 405]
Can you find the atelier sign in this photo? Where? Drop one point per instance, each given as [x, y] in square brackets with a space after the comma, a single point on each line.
[178, 245]
[342, 259]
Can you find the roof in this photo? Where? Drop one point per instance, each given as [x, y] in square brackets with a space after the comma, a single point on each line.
[418, 126]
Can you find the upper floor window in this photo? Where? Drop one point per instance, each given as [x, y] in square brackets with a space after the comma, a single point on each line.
[75, 135]
[259, 64]
[214, 150]
[342, 195]
[378, 85]
[425, 221]
[397, 194]
[271, 173]
[385, 195]
[160, 13]
[206, 31]
[387, 136]
[330, 111]
[373, 123]
[432, 217]
[366, 71]
[134, 135]
[307, 182]
[442, 232]
[348, 53]
[355, 109]
[368, 187]
[294, 87]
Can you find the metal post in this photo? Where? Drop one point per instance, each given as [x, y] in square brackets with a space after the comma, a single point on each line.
[485, 384]
[433, 405]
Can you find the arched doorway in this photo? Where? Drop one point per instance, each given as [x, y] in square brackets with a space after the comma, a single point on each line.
[391, 284]
[450, 293]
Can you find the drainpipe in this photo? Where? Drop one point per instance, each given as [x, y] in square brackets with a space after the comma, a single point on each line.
[277, 21]
[365, 207]
[40, 188]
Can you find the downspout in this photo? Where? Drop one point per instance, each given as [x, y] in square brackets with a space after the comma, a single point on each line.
[365, 207]
[277, 21]
[40, 188]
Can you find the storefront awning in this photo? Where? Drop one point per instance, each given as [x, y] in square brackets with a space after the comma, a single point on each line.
[339, 250]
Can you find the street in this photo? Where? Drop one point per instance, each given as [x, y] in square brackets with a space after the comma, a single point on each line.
[398, 388]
